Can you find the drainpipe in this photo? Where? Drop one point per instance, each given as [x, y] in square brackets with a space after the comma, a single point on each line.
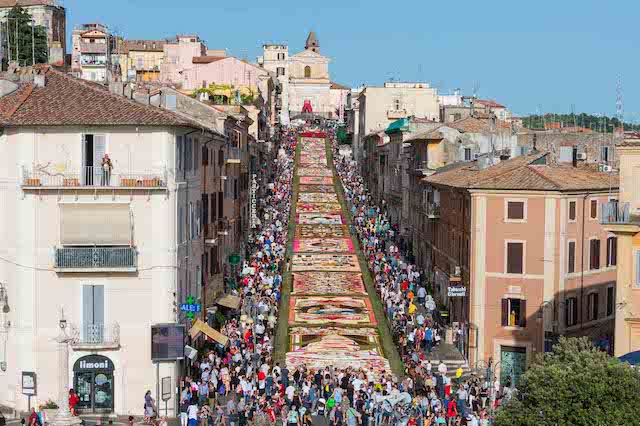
[584, 202]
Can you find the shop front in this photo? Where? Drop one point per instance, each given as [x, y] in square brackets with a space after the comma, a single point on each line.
[93, 382]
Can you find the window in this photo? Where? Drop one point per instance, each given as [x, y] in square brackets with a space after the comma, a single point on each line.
[572, 210]
[205, 209]
[93, 313]
[281, 56]
[514, 258]
[180, 152]
[191, 224]
[611, 300]
[468, 154]
[180, 225]
[604, 154]
[214, 207]
[220, 205]
[592, 306]
[514, 313]
[205, 155]
[571, 257]
[594, 254]
[280, 71]
[396, 105]
[594, 209]
[515, 210]
[307, 71]
[612, 251]
[571, 311]
[140, 63]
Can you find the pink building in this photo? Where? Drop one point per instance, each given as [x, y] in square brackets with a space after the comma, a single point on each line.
[178, 55]
[519, 255]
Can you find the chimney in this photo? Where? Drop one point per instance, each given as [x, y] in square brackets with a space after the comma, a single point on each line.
[40, 80]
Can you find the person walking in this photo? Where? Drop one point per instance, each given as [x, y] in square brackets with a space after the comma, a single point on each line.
[149, 407]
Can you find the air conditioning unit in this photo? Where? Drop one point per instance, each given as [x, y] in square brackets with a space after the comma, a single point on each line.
[606, 168]
[582, 156]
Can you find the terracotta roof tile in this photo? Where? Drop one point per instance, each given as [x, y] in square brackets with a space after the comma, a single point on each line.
[335, 85]
[26, 3]
[207, 59]
[520, 173]
[144, 45]
[68, 101]
[490, 103]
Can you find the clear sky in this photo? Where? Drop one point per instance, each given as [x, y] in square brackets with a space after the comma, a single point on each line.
[527, 55]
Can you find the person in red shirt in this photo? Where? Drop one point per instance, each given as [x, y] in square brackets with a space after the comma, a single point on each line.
[452, 409]
[73, 400]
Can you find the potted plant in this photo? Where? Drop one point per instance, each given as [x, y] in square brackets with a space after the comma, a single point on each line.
[50, 407]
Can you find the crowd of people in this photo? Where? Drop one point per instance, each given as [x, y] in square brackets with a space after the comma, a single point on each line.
[239, 383]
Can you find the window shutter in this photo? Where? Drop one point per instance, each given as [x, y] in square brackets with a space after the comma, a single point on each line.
[575, 311]
[87, 307]
[514, 258]
[98, 305]
[638, 268]
[505, 312]
[515, 210]
[572, 210]
[571, 257]
[523, 313]
[220, 205]
[596, 305]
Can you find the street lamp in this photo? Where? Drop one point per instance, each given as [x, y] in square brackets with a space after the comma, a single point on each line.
[63, 417]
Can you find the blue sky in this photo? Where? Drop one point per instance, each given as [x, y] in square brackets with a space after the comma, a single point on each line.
[527, 55]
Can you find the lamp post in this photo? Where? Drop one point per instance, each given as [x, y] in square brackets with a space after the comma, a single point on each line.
[63, 417]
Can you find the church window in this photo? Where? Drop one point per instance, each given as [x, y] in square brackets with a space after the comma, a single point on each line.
[307, 71]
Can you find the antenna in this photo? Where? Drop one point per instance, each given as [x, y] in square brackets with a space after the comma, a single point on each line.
[476, 86]
[619, 105]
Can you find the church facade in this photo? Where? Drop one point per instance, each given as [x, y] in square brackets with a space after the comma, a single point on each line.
[305, 83]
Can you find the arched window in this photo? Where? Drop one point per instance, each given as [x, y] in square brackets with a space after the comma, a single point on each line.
[307, 71]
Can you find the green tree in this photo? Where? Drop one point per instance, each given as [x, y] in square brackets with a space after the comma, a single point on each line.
[21, 41]
[575, 385]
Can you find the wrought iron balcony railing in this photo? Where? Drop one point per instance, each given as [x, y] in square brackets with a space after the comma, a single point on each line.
[95, 336]
[85, 259]
[93, 177]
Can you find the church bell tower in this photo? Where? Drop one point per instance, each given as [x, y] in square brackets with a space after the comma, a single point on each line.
[312, 43]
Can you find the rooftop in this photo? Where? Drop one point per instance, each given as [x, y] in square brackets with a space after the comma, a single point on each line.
[492, 104]
[27, 3]
[144, 45]
[339, 86]
[532, 172]
[68, 101]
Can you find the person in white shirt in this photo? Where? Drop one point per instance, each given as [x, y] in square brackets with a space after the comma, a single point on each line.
[290, 391]
[442, 368]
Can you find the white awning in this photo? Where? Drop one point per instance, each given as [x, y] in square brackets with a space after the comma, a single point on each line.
[95, 224]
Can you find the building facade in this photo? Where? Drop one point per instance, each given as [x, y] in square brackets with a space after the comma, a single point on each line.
[111, 250]
[516, 250]
[92, 48]
[48, 14]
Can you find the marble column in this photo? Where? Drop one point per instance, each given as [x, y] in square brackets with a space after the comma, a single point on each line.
[63, 417]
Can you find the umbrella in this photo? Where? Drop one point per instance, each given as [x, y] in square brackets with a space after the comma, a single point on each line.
[632, 358]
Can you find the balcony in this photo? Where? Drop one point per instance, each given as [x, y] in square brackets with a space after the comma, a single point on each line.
[93, 177]
[616, 217]
[96, 259]
[95, 336]
[433, 210]
[396, 114]
[232, 155]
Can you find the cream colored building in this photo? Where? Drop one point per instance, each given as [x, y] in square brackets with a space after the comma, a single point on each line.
[621, 217]
[116, 252]
[381, 106]
[305, 80]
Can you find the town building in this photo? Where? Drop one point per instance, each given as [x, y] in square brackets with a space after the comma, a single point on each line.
[112, 251]
[92, 48]
[621, 218]
[516, 251]
[306, 86]
[143, 60]
[48, 14]
[381, 106]
[178, 56]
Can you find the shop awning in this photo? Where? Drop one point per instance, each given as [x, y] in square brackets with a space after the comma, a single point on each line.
[95, 224]
[229, 301]
[201, 327]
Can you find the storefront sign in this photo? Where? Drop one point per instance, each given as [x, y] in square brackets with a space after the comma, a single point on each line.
[456, 291]
[28, 383]
[253, 221]
[93, 363]
[191, 307]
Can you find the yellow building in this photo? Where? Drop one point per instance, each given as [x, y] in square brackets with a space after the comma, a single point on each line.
[143, 59]
[622, 217]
